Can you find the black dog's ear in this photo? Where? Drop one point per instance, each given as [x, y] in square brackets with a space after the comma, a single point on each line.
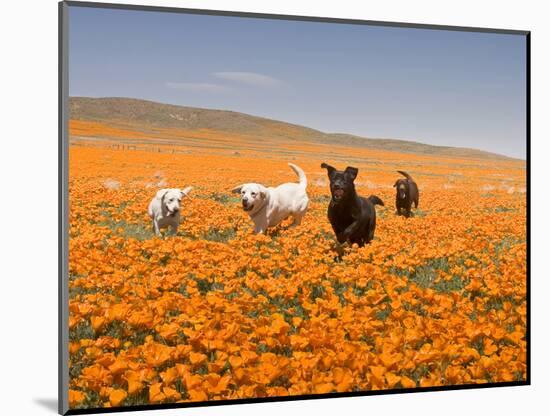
[330, 169]
[351, 172]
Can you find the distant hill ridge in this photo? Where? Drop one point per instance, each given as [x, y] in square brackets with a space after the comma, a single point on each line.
[144, 113]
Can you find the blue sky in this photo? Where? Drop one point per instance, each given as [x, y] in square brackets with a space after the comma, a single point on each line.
[432, 86]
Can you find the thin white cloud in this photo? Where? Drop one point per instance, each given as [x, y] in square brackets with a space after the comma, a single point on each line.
[249, 78]
[198, 86]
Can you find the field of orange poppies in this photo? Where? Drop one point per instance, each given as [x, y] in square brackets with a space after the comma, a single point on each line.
[217, 312]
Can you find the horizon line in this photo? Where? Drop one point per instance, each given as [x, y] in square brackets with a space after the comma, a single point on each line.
[304, 126]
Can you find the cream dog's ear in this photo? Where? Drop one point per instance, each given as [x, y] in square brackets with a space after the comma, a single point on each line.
[185, 191]
[160, 194]
[237, 189]
[263, 192]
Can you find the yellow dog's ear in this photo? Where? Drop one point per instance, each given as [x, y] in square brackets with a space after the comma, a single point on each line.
[237, 189]
[185, 191]
[263, 192]
[160, 194]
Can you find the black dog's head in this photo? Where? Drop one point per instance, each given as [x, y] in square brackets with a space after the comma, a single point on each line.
[402, 188]
[341, 182]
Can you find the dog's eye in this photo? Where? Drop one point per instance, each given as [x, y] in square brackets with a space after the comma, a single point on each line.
[253, 193]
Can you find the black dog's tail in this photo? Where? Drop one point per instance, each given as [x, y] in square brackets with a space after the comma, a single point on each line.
[375, 200]
[405, 174]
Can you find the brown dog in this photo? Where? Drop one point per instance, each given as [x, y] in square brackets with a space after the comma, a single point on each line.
[406, 194]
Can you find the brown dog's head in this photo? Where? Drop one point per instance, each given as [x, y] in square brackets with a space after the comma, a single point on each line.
[341, 182]
[402, 188]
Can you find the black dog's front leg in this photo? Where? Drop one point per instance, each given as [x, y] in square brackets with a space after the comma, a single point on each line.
[339, 232]
[341, 237]
[351, 230]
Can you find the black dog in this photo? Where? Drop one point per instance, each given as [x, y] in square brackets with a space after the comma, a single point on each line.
[353, 218]
[406, 194]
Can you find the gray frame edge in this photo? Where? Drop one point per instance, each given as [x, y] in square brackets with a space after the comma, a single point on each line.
[63, 210]
[256, 15]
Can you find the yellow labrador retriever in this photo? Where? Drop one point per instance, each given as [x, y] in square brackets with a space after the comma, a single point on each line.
[164, 209]
[267, 207]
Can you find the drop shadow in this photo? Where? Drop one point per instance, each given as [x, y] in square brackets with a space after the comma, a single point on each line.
[49, 404]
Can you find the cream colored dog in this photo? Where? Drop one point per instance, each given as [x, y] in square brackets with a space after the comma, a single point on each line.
[267, 207]
[164, 209]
